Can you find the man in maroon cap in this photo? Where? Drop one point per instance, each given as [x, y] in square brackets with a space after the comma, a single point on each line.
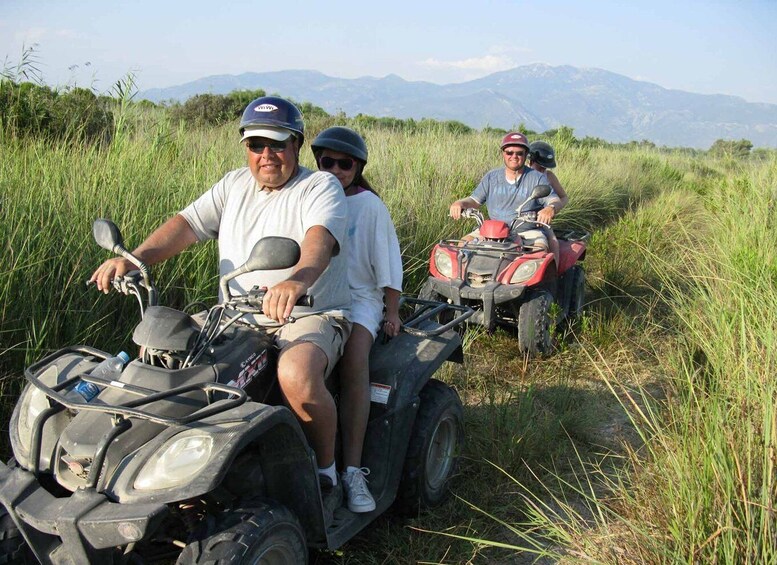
[504, 189]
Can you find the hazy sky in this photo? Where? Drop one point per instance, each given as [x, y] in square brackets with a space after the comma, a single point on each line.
[699, 46]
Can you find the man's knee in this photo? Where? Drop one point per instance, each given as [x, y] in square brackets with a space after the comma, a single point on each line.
[300, 361]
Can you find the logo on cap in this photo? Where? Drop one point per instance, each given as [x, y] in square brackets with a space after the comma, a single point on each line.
[266, 108]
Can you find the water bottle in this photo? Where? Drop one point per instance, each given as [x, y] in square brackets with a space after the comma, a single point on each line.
[107, 369]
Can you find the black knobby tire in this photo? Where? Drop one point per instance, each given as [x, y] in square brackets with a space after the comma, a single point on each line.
[432, 454]
[13, 549]
[576, 276]
[267, 533]
[534, 323]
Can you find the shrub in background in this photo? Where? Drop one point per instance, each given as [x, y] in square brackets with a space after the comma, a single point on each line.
[31, 109]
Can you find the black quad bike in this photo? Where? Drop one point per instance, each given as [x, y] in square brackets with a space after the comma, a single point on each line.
[507, 281]
[189, 452]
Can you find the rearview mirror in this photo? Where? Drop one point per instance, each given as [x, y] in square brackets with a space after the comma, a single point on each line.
[271, 253]
[540, 191]
[106, 234]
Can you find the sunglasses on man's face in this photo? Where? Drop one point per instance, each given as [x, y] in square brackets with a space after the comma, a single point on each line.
[328, 163]
[519, 153]
[258, 147]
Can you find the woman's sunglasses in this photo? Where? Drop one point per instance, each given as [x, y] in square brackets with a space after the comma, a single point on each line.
[344, 164]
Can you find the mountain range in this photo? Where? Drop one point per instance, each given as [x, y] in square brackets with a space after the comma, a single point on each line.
[594, 102]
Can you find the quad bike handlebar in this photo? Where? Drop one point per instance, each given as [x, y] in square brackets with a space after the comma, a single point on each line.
[251, 303]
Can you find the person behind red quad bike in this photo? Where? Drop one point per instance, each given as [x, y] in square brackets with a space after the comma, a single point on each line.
[504, 189]
[542, 158]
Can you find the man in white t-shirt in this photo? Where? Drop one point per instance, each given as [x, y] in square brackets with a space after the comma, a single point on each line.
[274, 196]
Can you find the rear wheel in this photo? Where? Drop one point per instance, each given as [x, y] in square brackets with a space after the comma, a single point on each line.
[267, 533]
[534, 323]
[435, 444]
[13, 549]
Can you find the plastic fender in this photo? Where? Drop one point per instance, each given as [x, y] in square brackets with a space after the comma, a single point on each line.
[399, 370]
[570, 252]
[505, 276]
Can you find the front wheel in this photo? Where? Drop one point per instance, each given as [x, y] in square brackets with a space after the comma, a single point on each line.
[267, 533]
[534, 321]
[435, 444]
[13, 549]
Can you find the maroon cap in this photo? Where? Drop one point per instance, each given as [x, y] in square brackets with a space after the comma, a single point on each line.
[515, 138]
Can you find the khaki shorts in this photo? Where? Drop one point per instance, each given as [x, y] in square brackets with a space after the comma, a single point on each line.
[536, 238]
[327, 332]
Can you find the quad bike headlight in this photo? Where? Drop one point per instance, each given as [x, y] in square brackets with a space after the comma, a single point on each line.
[176, 462]
[525, 271]
[443, 263]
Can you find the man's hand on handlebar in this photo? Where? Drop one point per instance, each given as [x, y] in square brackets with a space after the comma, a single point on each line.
[281, 298]
[456, 209]
[546, 214]
[111, 269]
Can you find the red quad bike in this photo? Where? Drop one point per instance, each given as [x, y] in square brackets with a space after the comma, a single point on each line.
[189, 451]
[508, 282]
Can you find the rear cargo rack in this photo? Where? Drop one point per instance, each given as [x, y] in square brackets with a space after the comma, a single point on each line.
[425, 310]
[572, 234]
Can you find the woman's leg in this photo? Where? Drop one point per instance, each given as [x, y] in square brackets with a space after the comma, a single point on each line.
[354, 407]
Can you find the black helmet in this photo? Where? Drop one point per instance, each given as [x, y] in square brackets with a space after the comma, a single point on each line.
[341, 139]
[542, 153]
[274, 112]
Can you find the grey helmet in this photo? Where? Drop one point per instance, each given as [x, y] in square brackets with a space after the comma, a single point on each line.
[342, 139]
[542, 153]
[275, 112]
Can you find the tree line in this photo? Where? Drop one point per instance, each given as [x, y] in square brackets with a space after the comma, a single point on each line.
[28, 108]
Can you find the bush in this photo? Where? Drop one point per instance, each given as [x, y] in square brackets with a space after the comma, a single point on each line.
[728, 147]
[204, 110]
[31, 109]
[79, 114]
[214, 109]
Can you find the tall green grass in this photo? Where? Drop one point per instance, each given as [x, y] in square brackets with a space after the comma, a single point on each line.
[697, 482]
[544, 448]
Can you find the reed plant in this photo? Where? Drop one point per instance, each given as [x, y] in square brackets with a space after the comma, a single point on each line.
[696, 482]
[647, 436]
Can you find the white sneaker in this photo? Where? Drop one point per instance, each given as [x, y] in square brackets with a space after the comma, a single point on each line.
[355, 484]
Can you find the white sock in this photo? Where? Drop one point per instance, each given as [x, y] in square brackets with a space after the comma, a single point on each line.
[330, 472]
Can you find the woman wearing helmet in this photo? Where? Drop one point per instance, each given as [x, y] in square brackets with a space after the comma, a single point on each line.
[542, 158]
[375, 281]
